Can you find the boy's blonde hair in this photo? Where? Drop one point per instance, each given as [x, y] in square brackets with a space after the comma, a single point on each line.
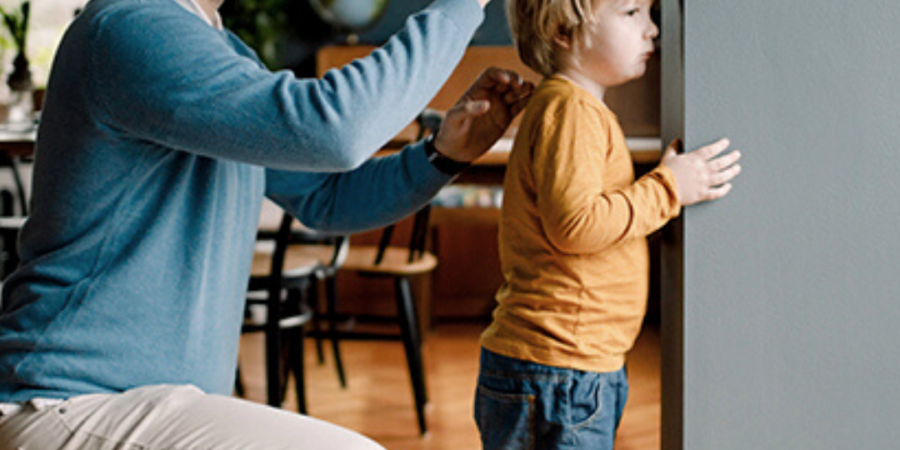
[536, 23]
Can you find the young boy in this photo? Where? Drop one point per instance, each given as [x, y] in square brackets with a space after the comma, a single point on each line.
[573, 231]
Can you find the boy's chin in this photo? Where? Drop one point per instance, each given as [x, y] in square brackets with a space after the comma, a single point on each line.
[629, 77]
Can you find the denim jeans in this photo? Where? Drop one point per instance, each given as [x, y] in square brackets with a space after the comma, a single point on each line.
[524, 405]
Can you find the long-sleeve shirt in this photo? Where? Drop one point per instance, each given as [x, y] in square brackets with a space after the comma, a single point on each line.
[573, 235]
[159, 138]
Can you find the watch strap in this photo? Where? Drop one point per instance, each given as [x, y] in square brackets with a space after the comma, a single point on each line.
[440, 162]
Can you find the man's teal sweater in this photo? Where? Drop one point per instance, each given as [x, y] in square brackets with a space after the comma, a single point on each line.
[159, 138]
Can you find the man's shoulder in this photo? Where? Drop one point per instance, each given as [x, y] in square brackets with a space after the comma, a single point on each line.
[136, 18]
[102, 9]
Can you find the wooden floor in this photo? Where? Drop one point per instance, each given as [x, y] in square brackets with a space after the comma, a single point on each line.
[378, 400]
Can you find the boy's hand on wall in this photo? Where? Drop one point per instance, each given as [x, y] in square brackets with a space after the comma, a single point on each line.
[700, 175]
[482, 115]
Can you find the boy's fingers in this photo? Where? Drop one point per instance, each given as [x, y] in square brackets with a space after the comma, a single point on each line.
[713, 149]
[725, 175]
[718, 192]
[674, 145]
[670, 151]
[725, 161]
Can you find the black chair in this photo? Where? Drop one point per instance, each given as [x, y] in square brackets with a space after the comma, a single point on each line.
[428, 122]
[280, 284]
[331, 252]
[13, 212]
[399, 263]
[288, 273]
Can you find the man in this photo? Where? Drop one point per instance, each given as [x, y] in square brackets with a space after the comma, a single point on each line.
[160, 136]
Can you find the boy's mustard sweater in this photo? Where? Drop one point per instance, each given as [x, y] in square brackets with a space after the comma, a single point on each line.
[573, 235]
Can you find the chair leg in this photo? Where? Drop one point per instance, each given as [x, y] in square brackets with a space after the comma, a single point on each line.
[317, 330]
[331, 293]
[298, 301]
[239, 388]
[412, 344]
[273, 355]
[296, 359]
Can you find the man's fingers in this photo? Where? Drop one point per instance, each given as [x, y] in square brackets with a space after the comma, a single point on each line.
[491, 77]
[519, 105]
[503, 76]
[711, 150]
[478, 107]
[497, 79]
[468, 108]
[510, 96]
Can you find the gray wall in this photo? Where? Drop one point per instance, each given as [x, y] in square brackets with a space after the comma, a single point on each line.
[783, 300]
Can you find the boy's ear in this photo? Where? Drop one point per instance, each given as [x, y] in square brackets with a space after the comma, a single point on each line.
[563, 40]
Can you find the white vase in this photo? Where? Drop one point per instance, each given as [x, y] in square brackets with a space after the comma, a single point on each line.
[21, 111]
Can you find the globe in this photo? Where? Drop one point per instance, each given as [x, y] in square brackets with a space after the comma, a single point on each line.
[349, 15]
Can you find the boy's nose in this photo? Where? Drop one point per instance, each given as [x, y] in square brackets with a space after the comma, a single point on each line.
[653, 31]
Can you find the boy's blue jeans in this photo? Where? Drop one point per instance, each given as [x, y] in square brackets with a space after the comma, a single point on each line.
[524, 405]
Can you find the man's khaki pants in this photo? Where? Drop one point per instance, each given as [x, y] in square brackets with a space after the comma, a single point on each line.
[169, 418]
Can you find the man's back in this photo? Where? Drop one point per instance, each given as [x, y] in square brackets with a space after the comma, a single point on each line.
[134, 258]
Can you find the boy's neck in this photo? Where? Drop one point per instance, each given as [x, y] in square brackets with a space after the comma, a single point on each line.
[585, 83]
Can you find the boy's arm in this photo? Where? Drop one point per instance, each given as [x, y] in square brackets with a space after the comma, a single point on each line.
[579, 212]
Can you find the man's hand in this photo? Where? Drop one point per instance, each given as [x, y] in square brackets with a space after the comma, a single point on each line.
[482, 115]
[700, 175]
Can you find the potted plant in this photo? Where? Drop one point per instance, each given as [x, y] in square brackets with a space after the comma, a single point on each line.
[17, 23]
[261, 24]
[19, 81]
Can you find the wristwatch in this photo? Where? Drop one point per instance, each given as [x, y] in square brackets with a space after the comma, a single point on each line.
[441, 162]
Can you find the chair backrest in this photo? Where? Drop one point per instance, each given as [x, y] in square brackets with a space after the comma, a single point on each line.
[11, 221]
[417, 238]
[339, 244]
[272, 281]
[12, 162]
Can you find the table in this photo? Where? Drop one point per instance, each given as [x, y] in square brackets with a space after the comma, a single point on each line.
[17, 144]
